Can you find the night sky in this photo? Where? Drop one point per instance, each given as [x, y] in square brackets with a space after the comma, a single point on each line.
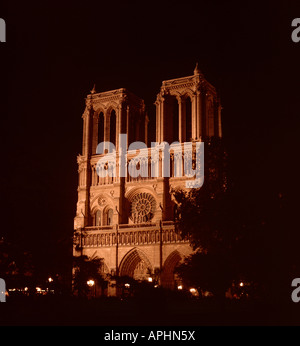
[54, 54]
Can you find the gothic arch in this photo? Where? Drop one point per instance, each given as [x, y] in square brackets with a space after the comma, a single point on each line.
[96, 216]
[108, 215]
[99, 109]
[171, 262]
[129, 194]
[111, 105]
[101, 200]
[133, 261]
[187, 93]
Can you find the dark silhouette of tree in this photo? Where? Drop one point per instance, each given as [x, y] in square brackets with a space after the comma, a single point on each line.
[207, 217]
[205, 214]
[16, 265]
[238, 235]
[85, 269]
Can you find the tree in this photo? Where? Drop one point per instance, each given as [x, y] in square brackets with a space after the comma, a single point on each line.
[205, 214]
[207, 217]
[15, 265]
[84, 269]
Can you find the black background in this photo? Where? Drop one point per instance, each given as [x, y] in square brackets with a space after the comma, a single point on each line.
[56, 51]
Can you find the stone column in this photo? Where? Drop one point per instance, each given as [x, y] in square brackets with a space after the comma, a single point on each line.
[146, 129]
[119, 124]
[106, 127]
[194, 115]
[157, 104]
[162, 118]
[180, 134]
[199, 115]
[86, 131]
[183, 119]
[127, 125]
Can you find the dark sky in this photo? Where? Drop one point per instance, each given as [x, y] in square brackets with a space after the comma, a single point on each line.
[55, 52]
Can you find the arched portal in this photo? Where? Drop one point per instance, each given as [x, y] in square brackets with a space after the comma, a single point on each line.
[135, 264]
[168, 277]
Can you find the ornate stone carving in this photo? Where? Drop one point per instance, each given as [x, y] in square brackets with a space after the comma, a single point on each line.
[143, 206]
[101, 201]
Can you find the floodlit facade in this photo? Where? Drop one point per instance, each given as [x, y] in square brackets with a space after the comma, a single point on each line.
[128, 219]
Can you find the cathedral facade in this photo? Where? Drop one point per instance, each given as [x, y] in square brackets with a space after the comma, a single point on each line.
[128, 219]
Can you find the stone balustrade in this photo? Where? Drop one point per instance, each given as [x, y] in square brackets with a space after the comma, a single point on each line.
[129, 235]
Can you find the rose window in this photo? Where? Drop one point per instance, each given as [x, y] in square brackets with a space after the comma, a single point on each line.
[142, 207]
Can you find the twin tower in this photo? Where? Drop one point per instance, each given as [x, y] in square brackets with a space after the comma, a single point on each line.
[129, 221]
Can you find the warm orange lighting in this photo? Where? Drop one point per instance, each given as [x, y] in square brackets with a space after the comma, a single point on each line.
[91, 283]
[241, 284]
[50, 279]
[150, 279]
[179, 287]
[193, 290]
[38, 289]
[127, 285]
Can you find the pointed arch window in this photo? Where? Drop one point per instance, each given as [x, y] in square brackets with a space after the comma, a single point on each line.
[100, 128]
[97, 218]
[175, 119]
[109, 217]
[112, 127]
[188, 123]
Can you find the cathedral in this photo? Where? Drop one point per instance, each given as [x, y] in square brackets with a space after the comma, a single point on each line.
[128, 219]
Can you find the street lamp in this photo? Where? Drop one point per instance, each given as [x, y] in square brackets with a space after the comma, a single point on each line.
[91, 283]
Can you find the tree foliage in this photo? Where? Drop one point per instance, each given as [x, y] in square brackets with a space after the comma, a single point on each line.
[208, 218]
[16, 265]
[205, 214]
[87, 268]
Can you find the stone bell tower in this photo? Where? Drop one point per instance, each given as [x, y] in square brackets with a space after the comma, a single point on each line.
[187, 109]
[106, 115]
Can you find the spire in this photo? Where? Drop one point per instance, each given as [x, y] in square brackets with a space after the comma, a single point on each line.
[197, 70]
[93, 91]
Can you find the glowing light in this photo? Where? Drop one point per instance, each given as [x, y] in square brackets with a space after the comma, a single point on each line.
[127, 285]
[26, 289]
[150, 279]
[91, 283]
[241, 284]
[38, 289]
[193, 290]
[50, 279]
[179, 287]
